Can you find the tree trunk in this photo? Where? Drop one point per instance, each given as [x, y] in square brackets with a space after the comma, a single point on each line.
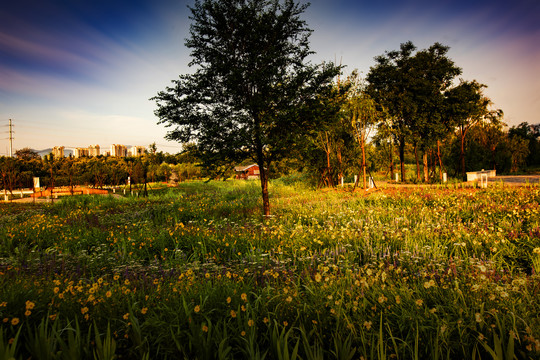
[364, 163]
[440, 159]
[417, 163]
[402, 157]
[264, 188]
[462, 155]
[391, 162]
[426, 167]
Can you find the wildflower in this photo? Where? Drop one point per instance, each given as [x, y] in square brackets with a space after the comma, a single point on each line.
[233, 313]
[382, 299]
[318, 277]
[289, 299]
[197, 308]
[108, 294]
[285, 323]
[419, 302]
[29, 305]
[5, 320]
[126, 316]
[144, 310]
[243, 333]
[52, 317]
[205, 328]
[250, 322]
[14, 321]
[367, 324]
[266, 320]
[27, 313]
[243, 308]
[84, 310]
[398, 299]
[228, 300]
[56, 290]
[536, 251]
[243, 296]
[429, 284]
[116, 277]
[478, 317]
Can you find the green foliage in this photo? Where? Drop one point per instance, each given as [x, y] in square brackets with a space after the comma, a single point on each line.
[195, 272]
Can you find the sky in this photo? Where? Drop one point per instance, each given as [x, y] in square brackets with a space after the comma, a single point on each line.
[76, 73]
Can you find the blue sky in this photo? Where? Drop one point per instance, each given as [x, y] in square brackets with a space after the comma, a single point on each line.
[80, 72]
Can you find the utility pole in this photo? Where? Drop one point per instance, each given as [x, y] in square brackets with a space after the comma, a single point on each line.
[10, 138]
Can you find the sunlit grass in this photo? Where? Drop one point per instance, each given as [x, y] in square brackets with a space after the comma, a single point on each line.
[196, 271]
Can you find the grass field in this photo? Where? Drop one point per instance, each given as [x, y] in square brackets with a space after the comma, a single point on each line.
[194, 272]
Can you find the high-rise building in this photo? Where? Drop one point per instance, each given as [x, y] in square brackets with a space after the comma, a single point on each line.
[137, 150]
[93, 150]
[79, 152]
[118, 150]
[58, 152]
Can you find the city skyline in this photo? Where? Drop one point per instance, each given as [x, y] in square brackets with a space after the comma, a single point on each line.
[72, 72]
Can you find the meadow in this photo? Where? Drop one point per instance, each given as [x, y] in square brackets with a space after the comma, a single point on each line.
[195, 272]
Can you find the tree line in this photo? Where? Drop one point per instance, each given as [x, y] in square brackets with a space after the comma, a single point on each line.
[19, 171]
[254, 96]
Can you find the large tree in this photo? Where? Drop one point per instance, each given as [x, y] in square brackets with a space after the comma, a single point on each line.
[411, 86]
[253, 90]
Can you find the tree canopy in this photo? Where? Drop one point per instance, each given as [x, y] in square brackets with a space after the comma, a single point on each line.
[253, 92]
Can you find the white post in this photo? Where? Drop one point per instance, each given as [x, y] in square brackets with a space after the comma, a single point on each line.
[397, 177]
[355, 178]
[444, 177]
[342, 181]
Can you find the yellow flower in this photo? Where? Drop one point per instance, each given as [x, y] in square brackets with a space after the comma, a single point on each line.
[27, 313]
[243, 333]
[228, 300]
[382, 299]
[56, 290]
[289, 299]
[205, 328]
[243, 296]
[250, 322]
[14, 321]
[84, 310]
[116, 277]
[126, 316]
[318, 277]
[266, 320]
[233, 313]
[52, 317]
[197, 308]
[285, 323]
[108, 294]
[419, 302]
[29, 305]
[398, 299]
[367, 324]
[144, 310]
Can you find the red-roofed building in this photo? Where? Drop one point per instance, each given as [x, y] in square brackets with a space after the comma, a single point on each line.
[247, 172]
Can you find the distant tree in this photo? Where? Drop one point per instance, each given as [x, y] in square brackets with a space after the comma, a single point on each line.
[27, 154]
[250, 95]
[530, 133]
[361, 113]
[467, 107]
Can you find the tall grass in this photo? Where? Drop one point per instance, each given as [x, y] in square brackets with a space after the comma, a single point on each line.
[196, 272]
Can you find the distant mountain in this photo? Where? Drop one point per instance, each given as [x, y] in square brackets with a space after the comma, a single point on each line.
[45, 152]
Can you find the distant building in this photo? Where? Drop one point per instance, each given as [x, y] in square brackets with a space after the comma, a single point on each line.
[247, 172]
[58, 152]
[93, 150]
[137, 151]
[118, 150]
[80, 152]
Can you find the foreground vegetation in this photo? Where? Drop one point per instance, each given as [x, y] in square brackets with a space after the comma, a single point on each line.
[194, 272]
